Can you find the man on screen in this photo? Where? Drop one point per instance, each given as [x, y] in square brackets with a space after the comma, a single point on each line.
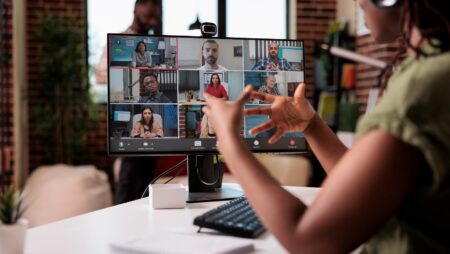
[210, 52]
[273, 62]
[151, 87]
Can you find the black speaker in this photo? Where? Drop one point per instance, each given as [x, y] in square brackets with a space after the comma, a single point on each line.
[386, 4]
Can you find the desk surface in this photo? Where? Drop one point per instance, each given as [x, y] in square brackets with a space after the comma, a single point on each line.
[92, 232]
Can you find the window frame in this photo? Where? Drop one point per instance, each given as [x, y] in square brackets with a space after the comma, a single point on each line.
[222, 18]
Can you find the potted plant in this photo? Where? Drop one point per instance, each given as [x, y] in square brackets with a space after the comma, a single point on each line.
[12, 227]
[65, 112]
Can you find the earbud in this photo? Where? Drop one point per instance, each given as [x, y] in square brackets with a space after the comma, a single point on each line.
[386, 4]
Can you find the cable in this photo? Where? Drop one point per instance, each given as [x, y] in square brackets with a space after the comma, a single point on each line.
[168, 171]
[217, 174]
[163, 174]
[173, 177]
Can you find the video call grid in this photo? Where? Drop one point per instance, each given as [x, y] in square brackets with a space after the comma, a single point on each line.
[178, 70]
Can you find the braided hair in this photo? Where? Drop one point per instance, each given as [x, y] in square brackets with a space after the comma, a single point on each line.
[431, 17]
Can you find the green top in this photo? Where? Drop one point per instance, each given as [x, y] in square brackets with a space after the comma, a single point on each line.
[415, 108]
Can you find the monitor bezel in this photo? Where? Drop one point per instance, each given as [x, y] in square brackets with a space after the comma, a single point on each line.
[187, 152]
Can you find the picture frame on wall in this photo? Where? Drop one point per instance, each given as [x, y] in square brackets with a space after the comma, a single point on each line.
[237, 51]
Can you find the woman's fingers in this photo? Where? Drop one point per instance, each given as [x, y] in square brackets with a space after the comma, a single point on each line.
[208, 98]
[258, 111]
[262, 127]
[211, 102]
[263, 97]
[275, 137]
[245, 96]
[206, 109]
[300, 91]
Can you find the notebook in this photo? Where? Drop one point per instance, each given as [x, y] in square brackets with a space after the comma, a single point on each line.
[180, 243]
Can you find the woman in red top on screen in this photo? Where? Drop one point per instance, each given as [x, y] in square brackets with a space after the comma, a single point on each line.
[215, 88]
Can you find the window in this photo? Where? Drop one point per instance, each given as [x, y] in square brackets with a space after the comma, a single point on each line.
[178, 15]
[247, 18]
[104, 16]
[257, 19]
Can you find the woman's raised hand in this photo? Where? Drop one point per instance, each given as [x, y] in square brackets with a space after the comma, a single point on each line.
[226, 117]
[286, 113]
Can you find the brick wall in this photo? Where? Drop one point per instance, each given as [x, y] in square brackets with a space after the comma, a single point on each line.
[6, 95]
[313, 18]
[367, 76]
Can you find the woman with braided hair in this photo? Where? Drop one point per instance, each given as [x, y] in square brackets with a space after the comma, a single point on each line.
[391, 191]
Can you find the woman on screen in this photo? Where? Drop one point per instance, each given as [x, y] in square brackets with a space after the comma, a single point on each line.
[147, 127]
[215, 88]
[390, 192]
[140, 56]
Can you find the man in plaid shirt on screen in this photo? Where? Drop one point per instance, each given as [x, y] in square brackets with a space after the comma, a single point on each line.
[273, 62]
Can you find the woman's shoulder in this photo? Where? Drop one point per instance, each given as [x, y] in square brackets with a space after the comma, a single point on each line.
[434, 67]
[421, 79]
[431, 70]
[419, 88]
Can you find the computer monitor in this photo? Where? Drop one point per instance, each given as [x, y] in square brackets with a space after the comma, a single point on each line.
[156, 86]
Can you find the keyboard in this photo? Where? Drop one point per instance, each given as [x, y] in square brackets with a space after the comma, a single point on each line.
[236, 218]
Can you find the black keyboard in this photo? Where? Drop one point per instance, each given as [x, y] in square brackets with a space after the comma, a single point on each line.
[235, 218]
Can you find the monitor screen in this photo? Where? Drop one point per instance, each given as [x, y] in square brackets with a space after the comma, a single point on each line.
[156, 86]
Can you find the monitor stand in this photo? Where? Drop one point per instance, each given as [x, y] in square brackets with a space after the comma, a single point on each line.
[205, 180]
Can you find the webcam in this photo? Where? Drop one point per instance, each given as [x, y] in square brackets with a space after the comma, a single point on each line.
[208, 29]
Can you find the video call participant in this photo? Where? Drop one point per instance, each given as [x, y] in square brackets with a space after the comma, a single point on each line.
[210, 52]
[147, 127]
[215, 88]
[273, 62]
[269, 88]
[151, 87]
[140, 56]
[147, 16]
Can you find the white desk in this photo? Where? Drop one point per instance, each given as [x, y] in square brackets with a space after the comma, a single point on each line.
[92, 232]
